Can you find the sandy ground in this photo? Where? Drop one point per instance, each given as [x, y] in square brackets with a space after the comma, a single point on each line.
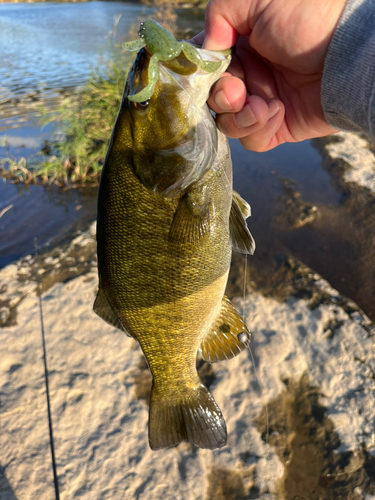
[299, 406]
[356, 152]
[314, 378]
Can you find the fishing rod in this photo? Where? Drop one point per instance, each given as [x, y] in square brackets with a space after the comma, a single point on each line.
[52, 447]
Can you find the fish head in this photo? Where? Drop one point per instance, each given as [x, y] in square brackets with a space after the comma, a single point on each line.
[173, 134]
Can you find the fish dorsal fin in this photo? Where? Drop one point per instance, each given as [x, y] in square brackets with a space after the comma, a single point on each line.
[242, 241]
[228, 336]
[191, 221]
[104, 310]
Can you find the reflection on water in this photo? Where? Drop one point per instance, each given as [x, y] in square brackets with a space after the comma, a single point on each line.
[28, 212]
[34, 211]
[48, 47]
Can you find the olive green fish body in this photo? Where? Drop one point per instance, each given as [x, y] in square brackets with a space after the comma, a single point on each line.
[164, 248]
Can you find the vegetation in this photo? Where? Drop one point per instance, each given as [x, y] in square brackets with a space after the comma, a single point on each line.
[83, 122]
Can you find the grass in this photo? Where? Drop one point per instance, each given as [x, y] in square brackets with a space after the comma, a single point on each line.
[83, 121]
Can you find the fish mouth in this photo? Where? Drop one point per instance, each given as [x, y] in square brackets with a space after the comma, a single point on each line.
[181, 72]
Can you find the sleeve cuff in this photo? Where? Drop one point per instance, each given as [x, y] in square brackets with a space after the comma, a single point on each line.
[348, 84]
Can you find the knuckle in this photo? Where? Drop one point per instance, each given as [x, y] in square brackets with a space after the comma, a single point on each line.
[255, 144]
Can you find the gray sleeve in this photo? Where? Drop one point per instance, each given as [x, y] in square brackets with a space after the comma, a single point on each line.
[348, 84]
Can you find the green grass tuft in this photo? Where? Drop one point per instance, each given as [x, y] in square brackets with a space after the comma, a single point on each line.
[82, 128]
[84, 122]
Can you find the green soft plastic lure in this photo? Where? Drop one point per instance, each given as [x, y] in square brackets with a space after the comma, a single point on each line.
[163, 47]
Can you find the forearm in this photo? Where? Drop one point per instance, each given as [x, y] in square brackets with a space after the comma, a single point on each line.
[348, 85]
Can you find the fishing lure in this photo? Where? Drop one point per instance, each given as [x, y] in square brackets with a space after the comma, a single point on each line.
[163, 47]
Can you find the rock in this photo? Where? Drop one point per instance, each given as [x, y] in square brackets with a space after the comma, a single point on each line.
[4, 315]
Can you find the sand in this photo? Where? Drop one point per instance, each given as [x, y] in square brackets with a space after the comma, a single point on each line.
[99, 387]
[299, 406]
[355, 150]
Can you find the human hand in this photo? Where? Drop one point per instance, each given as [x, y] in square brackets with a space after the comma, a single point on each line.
[271, 93]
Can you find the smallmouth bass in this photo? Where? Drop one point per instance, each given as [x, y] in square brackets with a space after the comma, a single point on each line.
[167, 222]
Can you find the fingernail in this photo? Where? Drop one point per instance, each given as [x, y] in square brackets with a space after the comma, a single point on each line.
[222, 101]
[273, 108]
[245, 118]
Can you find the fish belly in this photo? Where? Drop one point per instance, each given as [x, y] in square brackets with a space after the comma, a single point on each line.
[170, 334]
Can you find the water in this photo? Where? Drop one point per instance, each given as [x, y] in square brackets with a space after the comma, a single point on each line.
[47, 49]
[338, 244]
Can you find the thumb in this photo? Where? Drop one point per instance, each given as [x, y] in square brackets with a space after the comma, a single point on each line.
[224, 23]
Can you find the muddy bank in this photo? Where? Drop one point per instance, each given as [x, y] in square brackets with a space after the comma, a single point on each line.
[350, 264]
[322, 216]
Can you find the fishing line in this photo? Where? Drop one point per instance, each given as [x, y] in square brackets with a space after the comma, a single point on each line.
[244, 288]
[251, 352]
[55, 479]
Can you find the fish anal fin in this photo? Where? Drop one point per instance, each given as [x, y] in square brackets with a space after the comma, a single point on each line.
[103, 309]
[191, 221]
[242, 241]
[189, 414]
[228, 336]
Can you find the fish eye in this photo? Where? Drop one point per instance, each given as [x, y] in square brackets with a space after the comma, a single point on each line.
[141, 106]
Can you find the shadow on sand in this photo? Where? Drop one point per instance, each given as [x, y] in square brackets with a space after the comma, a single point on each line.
[6, 492]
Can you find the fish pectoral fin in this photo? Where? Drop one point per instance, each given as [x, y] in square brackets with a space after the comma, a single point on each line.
[228, 336]
[185, 414]
[242, 241]
[191, 221]
[242, 204]
[103, 309]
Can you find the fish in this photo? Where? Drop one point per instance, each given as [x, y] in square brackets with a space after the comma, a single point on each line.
[166, 225]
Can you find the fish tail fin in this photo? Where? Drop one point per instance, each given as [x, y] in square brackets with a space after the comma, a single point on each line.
[190, 415]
